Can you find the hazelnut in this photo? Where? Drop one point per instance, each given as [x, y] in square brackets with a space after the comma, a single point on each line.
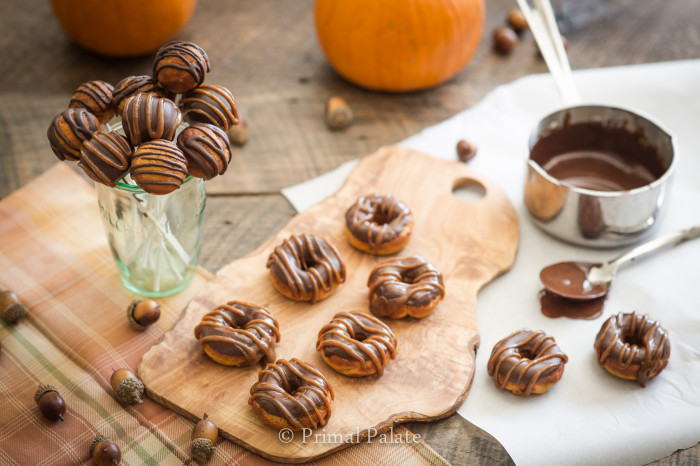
[143, 313]
[50, 402]
[128, 387]
[11, 309]
[204, 436]
[504, 39]
[338, 113]
[517, 21]
[104, 451]
[238, 134]
[465, 150]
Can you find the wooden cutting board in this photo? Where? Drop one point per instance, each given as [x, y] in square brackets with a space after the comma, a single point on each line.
[470, 242]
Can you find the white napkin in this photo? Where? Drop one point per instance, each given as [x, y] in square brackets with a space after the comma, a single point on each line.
[589, 417]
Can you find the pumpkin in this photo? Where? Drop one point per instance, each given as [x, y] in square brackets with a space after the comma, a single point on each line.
[122, 28]
[399, 45]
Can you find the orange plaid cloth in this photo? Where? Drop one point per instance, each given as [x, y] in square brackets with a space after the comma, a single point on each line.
[54, 255]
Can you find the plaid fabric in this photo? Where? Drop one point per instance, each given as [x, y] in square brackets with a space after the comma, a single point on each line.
[54, 255]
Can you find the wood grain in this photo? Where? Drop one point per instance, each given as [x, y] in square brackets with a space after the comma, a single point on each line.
[469, 242]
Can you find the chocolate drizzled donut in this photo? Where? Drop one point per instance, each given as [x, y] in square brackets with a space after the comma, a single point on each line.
[207, 149]
[105, 157]
[210, 104]
[405, 286]
[95, 97]
[238, 334]
[306, 268]
[132, 85]
[147, 117]
[356, 344]
[633, 347]
[69, 130]
[158, 167]
[292, 395]
[378, 224]
[180, 66]
[526, 362]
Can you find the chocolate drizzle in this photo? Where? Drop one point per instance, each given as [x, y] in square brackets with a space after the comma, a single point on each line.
[307, 266]
[96, 97]
[177, 57]
[377, 219]
[358, 337]
[69, 130]
[207, 150]
[238, 329]
[210, 104]
[158, 166]
[133, 85]
[524, 358]
[147, 117]
[294, 391]
[633, 344]
[105, 157]
[405, 285]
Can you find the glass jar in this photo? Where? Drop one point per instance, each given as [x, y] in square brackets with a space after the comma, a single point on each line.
[155, 239]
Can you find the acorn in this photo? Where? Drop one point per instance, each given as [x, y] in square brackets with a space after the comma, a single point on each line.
[128, 387]
[204, 437]
[143, 313]
[50, 402]
[338, 114]
[104, 451]
[11, 309]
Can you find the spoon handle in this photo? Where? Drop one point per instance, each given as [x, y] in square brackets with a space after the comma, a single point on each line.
[671, 239]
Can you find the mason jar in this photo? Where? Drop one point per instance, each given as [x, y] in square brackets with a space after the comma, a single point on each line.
[155, 239]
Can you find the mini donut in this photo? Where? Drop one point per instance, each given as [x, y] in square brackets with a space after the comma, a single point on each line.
[632, 347]
[306, 268]
[95, 97]
[292, 395]
[180, 66]
[526, 362]
[69, 130]
[238, 334]
[356, 344]
[378, 225]
[405, 286]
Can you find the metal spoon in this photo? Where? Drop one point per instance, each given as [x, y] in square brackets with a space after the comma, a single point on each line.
[587, 280]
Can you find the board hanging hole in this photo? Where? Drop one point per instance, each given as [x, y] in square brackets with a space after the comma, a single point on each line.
[468, 190]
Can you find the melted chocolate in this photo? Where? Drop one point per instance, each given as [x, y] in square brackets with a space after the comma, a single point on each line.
[96, 97]
[568, 293]
[158, 164]
[239, 329]
[210, 104]
[295, 391]
[181, 57]
[308, 266]
[105, 157]
[597, 156]
[147, 117]
[207, 150]
[635, 343]
[524, 358]
[69, 130]
[400, 284]
[377, 219]
[554, 306]
[358, 337]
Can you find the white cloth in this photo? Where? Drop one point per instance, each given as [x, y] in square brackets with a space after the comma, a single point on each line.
[589, 417]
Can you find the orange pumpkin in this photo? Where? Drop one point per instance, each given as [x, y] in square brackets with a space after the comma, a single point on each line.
[399, 45]
[122, 28]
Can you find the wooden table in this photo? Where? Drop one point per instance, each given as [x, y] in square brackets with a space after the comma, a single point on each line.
[267, 54]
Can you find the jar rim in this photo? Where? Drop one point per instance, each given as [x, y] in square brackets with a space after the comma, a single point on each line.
[132, 188]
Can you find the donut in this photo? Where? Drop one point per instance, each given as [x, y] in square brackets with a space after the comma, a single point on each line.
[147, 117]
[238, 334]
[405, 286]
[632, 347]
[212, 104]
[306, 268]
[291, 395]
[356, 344]
[180, 66]
[132, 85]
[378, 224]
[95, 97]
[526, 362]
[158, 167]
[206, 148]
[106, 157]
[69, 130]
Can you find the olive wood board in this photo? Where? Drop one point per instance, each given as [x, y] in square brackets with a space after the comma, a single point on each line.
[469, 242]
